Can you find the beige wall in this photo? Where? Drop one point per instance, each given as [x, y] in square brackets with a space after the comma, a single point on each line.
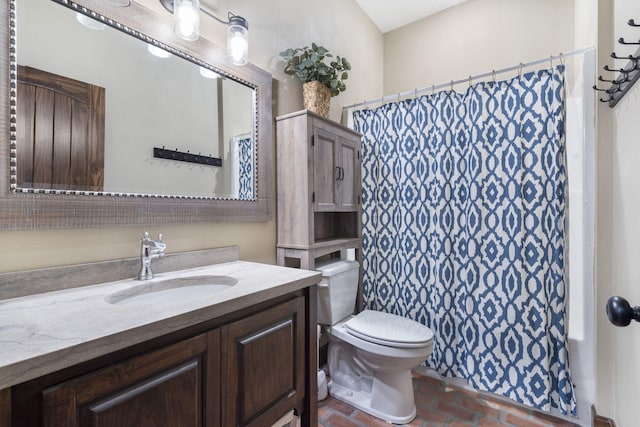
[274, 25]
[474, 38]
[618, 224]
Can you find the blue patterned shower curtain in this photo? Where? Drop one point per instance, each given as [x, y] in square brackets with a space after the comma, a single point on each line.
[464, 229]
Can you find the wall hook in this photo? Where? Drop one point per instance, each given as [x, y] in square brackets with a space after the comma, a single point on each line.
[606, 68]
[632, 23]
[614, 56]
[600, 90]
[614, 81]
[621, 40]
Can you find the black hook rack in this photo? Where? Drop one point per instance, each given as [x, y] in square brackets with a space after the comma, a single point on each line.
[627, 76]
[181, 156]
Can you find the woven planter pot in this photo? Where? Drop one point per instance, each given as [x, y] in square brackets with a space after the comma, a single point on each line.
[317, 97]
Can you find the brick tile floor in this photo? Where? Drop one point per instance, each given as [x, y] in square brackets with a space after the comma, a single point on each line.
[440, 404]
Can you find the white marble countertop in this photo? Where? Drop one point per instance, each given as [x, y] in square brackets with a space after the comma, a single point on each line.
[46, 332]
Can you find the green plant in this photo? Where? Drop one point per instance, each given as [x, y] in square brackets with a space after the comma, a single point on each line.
[308, 63]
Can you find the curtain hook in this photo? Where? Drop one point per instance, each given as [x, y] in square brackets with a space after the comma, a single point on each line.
[561, 58]
[451, 85]
[415, 93]
[433, 89]
[520, 69]
[470, 82]
[551, 61]
[493, 75]
[398, 100]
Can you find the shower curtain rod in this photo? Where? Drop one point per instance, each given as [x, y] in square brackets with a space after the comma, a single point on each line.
[415, 92]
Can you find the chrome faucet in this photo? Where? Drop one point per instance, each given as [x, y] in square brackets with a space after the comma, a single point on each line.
[149, 249]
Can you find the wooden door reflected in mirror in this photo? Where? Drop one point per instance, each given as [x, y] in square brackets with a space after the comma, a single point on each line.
[61, 134]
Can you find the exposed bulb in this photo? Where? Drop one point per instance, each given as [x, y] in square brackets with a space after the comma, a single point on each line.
[89, 22]
[237, 41]
[186, 14]
[207, 73]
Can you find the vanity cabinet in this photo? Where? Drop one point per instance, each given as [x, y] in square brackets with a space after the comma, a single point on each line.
[247, 369]
[319, 188]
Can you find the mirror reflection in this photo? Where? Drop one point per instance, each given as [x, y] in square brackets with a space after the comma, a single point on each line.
[99, 110]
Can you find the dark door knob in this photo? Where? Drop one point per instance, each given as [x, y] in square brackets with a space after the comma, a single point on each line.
[620, 313]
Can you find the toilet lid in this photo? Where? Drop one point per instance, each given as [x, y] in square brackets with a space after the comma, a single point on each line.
[389, 329]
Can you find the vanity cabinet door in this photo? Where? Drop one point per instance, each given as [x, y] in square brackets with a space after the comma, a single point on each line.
[167, 387]
[263, 365]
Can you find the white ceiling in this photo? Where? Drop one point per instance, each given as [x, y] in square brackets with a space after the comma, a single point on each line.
[389, 15]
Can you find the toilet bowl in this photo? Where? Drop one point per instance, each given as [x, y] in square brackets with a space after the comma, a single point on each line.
[372, 372]
[371, 354]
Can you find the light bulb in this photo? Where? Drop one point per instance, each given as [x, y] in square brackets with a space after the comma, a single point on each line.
[156, 51]
[186, 17]
[89, 22]
[207, 73]
[237, 40]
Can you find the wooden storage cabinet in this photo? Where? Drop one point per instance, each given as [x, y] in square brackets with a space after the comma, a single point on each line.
[319, 187]
[246, 372]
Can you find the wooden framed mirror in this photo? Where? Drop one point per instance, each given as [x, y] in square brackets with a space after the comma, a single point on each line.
[41, 204]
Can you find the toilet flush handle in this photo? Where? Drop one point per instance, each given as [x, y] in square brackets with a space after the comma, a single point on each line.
[620, 312]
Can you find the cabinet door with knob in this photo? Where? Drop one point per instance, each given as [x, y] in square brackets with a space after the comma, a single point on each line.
[263, 368]
[336, 166]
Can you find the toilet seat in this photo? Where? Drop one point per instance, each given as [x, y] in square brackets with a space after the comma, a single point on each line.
[389, 329]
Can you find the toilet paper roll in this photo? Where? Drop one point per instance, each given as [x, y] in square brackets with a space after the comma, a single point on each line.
[351, 255]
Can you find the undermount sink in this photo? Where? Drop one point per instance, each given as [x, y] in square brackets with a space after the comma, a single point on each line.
[171, 290]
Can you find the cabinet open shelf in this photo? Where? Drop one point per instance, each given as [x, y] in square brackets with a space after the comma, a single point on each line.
[335, 225]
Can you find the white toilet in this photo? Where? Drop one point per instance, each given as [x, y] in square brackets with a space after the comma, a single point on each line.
[370, 354]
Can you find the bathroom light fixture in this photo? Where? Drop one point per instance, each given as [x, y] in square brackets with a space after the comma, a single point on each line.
[208, 74]
[89, 22]
[186, 24]
[156, 51]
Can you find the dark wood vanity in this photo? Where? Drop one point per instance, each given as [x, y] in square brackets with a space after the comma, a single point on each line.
[246, 356]
[245, 369]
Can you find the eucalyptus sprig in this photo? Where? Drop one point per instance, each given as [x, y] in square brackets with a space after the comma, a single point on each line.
[308, 63]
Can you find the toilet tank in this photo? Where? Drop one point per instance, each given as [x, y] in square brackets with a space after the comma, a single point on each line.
[337, 290]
